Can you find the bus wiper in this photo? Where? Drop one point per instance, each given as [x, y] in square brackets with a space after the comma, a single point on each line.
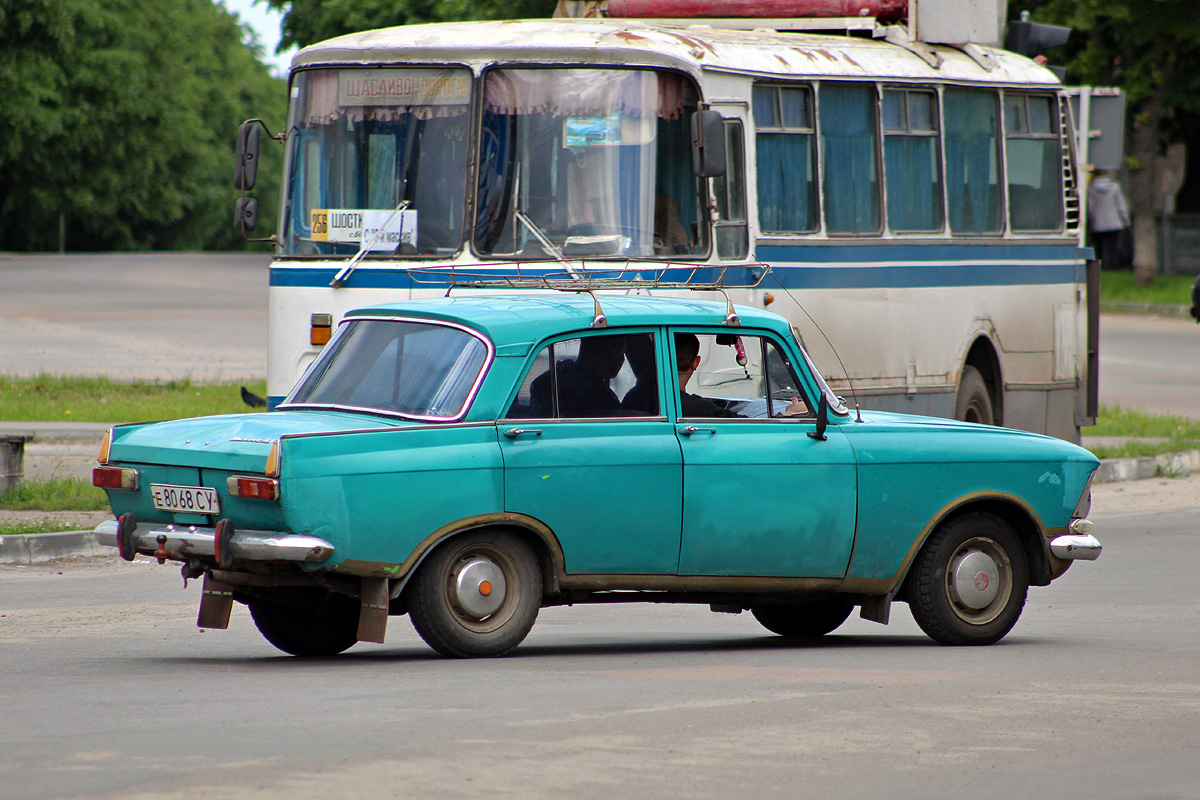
[538, 234]
[345, 271]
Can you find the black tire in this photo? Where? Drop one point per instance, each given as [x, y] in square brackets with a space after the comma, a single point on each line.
[311, 624]
[974, 402]
[969, 582]
[806, 620]
[452, 611]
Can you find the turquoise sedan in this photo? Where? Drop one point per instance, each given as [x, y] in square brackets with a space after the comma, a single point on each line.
[470, 460]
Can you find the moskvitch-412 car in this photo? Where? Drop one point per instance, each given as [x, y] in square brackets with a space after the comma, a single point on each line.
[469, 460]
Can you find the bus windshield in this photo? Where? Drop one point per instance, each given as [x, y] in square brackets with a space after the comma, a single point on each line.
[377, 161]
[590, 163]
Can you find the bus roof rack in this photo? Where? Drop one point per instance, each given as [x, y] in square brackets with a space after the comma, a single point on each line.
[572, 278]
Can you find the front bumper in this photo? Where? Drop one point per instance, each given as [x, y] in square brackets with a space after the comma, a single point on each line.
[183, 542]
[1079, 545]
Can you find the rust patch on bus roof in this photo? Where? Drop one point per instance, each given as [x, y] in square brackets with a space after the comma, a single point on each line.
[630, 36]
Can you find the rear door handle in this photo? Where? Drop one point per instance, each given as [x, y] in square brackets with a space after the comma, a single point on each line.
[513, 433]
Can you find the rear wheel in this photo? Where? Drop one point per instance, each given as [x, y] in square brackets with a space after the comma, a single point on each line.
[974, 403]
[969, 582]
[477, 594]
[805, 620]
[309, 623]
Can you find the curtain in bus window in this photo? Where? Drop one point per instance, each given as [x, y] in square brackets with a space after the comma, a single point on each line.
[848, 139]
[786, 183]
[1034, 163]
[972, 162]
[912, 171]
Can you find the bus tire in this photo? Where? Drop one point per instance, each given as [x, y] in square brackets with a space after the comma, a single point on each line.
[974, 402]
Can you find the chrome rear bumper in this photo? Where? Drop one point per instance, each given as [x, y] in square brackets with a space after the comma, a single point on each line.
[183, 541]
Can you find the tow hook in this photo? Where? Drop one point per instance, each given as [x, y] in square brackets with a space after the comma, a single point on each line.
[162, 553]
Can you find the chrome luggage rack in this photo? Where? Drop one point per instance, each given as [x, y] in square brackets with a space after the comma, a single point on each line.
[567, 277]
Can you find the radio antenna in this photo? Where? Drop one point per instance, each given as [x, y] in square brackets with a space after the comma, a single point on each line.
[849, 381]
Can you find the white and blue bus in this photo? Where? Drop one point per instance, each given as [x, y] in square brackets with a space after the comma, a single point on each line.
[917, 204]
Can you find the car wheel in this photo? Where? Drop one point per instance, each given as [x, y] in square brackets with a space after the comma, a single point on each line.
[311, 623]
[974, 403]
[804, 620]
[968, 584]
[476, 595]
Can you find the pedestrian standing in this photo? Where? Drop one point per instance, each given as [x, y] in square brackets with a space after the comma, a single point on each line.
[1108, 220]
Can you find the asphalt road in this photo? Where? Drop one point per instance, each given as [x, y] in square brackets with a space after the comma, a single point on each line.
[1151, 363]
[109, 691]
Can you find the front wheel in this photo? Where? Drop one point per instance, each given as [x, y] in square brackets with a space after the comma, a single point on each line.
[804, 620]
[476, 595]
[968, 584]
[308, 623]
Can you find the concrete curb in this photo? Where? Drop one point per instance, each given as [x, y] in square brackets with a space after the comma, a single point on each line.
[38, 548]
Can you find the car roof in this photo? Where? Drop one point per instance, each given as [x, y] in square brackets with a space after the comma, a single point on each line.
[533, 315]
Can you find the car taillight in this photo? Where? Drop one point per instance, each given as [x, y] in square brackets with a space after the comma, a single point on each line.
[105, 446]
[115, 478]
[253, 488]
[273, 459]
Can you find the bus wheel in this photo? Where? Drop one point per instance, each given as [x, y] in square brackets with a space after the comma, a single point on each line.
[804, 620]
[308, 623]
[476, 595]
[969, 581]
[974, 404]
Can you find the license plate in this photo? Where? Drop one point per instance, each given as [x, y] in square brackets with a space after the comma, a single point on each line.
[185, 499]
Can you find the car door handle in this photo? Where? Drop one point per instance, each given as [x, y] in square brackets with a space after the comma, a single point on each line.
[692, 430]
[513, 433]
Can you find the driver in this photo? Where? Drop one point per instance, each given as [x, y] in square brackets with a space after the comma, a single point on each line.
[687, 356]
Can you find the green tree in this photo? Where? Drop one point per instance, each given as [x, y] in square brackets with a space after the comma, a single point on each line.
[1151, 49]
[117, 123]
[308, 21]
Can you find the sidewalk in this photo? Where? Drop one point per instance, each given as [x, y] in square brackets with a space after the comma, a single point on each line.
[36, 548]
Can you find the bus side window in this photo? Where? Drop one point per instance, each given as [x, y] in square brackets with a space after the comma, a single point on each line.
[849, 147]
[1034, 162]
[730, 190]
[911, 160]
[785, 159]
[973, 160]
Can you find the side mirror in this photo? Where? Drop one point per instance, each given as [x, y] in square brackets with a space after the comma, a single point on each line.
[822, 418]
[246, 169]
[708, 144]
[246, 214]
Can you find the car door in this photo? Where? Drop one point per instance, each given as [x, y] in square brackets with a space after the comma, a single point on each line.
[760, 496]
[589, 452]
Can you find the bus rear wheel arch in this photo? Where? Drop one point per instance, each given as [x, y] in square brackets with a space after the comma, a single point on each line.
[979, 397]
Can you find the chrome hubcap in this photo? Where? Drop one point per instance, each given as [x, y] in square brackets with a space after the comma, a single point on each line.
[479, 587]
[976, 580]
[979, 580]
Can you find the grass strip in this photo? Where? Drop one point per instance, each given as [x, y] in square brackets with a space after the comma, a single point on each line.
[1118, 286]
[22, 528]
[1167, 433]
[58, 398]
[56, 494]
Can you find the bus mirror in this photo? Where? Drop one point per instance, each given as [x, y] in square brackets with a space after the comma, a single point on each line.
[246, 215]
[246, 169]
[708, 144]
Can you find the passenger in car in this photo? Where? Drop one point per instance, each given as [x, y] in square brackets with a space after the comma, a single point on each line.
[687, 357]
[583, 384]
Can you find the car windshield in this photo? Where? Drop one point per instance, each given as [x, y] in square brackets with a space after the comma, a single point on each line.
[377, 151]
[414, 369]
[587, 163]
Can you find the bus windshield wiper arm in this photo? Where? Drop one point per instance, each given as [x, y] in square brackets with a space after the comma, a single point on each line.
[345, 271]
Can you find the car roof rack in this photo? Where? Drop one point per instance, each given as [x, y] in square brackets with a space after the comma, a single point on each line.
[577, 278]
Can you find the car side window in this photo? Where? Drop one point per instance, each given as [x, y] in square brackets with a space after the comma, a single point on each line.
[607, 375]
[729, 375]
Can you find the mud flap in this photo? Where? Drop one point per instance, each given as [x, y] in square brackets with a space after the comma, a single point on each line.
[216, 602]
[373, 611]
